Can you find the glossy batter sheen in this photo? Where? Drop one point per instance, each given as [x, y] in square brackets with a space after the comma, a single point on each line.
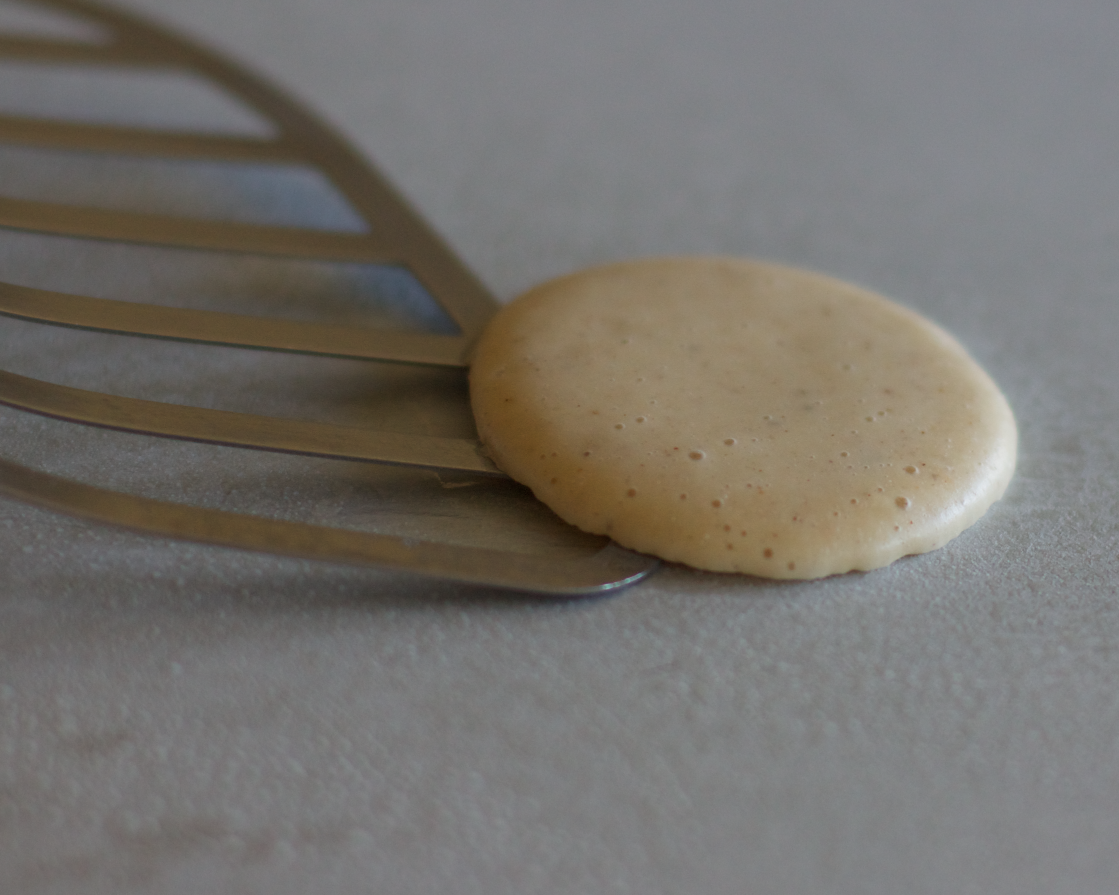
[741, 417]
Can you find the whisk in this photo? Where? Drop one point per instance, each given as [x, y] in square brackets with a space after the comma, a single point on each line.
[394, 235]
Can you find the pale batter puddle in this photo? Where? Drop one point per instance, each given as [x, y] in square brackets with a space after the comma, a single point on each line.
[741, 417]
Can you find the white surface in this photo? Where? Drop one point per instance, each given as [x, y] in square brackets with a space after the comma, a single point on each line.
[183, 719]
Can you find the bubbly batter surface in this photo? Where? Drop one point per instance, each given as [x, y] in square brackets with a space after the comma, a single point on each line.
[741, 417]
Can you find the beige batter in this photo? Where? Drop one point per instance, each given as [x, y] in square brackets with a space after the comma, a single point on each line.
[741, 417]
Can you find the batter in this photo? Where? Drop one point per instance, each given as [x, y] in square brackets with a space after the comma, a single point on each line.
[741, 417]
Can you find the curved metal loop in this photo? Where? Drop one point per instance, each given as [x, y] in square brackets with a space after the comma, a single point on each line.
[607, 567]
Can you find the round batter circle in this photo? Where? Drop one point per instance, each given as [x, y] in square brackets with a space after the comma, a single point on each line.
[740, 416]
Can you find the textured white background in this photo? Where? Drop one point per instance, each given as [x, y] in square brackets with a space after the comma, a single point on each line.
[180, 719]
